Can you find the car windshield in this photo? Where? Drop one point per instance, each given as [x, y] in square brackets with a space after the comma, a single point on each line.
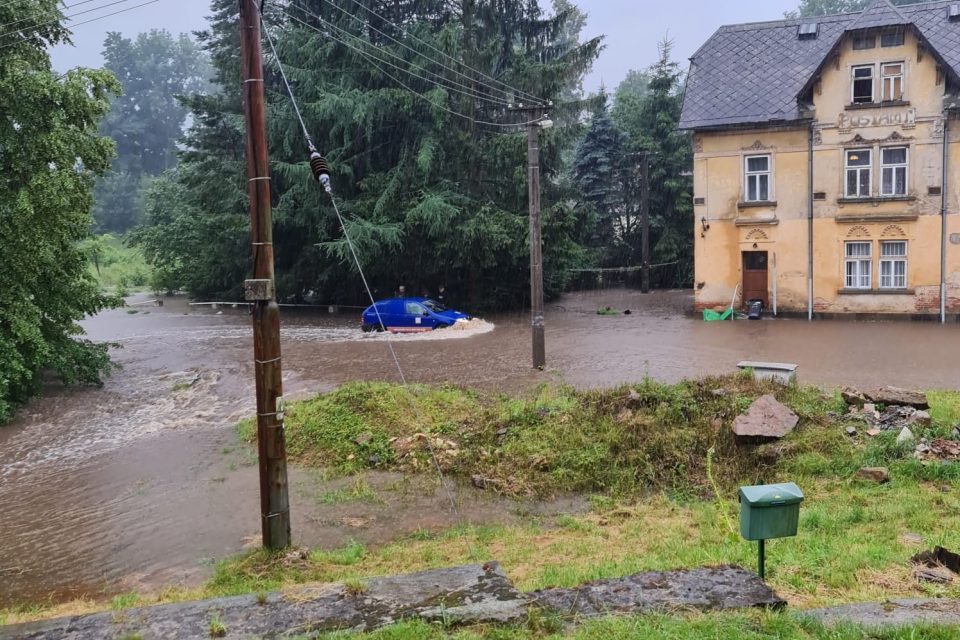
[434, 306]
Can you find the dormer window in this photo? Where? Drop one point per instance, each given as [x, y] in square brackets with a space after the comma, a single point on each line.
[862, 42]
[953, 13]
[808, 30]
[892, 38]
[863, 84]
[891, 77]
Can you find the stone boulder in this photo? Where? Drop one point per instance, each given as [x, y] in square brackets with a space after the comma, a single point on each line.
[890, 396]
[766, 418]
[853, 397]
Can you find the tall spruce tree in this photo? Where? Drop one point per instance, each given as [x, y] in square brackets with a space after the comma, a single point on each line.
[429, 197]
[598, 170]
[650, 124]
[49, 154]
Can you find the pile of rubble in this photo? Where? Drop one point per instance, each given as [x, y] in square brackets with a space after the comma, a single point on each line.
[902, 409]
[904, 412]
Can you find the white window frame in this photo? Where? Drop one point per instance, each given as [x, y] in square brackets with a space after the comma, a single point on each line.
[873, 83]
[847, 168]
[894, 168]
[884, 78]
[892, 280]
[758, 175]
[857, 269]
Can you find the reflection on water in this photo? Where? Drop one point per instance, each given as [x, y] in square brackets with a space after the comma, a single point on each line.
[141, 481]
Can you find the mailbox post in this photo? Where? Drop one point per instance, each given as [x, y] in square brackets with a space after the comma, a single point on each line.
[767, 512]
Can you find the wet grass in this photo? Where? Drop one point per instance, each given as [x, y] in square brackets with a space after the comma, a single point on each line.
[622, 443]
[744, 626]
[663, 469]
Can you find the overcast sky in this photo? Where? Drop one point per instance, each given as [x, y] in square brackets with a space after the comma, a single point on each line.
[632, 28]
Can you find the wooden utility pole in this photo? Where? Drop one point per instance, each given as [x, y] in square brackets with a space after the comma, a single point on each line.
[274, 500]
[645, 222]
[536, 121]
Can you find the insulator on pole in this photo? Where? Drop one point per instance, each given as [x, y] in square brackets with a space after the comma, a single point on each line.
[318, 165]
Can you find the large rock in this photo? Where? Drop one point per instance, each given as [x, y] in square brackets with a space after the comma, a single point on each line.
[853, 397]
[766, 418]
[726, 587]
[479, 594]
[896, 396]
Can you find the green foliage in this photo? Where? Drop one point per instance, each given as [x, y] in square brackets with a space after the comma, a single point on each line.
[621, 442]
[600, 171]
[147, 119]
[50, 154]
[116, 265]
[430, 198]
[649, 113]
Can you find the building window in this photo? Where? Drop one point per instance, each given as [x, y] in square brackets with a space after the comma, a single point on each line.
[757, 178]
[893, 179]
[893, 265]
[863, 84]
[864, 42]
[891, 77]
[892, 38]
[857, 263]
[858, 173]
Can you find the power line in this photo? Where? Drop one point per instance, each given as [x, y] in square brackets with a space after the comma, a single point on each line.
[374, 62]
[50, 22]
[448, 56]
[470, 92]
[509, 95]
[77, 4]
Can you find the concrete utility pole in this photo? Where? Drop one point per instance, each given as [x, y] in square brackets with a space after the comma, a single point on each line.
[274, 500]
[645, 217]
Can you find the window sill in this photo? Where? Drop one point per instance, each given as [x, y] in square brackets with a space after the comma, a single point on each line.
[757, 204]
[875, 292]
[854, 106]
[876, 199]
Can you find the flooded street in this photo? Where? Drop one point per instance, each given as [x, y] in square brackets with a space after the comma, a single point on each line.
[143, 482]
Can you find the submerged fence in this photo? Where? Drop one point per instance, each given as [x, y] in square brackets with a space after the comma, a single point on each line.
[667, 275]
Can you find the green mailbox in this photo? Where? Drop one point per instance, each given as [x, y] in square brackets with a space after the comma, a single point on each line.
[769, 511]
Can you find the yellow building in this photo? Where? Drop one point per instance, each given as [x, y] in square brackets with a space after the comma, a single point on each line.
[826, 160]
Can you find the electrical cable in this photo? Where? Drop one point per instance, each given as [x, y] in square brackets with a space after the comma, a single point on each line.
[449, 57]
[283, 74]
[470, 91]
[76, 4]
[507, 94]
[318, 165]
[374, 62]
[71, 26]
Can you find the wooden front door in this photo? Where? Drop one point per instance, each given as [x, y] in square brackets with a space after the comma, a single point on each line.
[755, 277]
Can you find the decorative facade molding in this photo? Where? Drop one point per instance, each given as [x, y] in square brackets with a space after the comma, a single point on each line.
[757, 235]
[938, 127]
[858, 232]
[817, 133]
[757, 146]
[698, 144]
[858, 140]
[893, 231]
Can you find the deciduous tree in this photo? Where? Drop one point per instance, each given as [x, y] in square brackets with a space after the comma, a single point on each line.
[50, 151]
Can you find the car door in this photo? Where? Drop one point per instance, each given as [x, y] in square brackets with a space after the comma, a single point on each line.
[416, 315]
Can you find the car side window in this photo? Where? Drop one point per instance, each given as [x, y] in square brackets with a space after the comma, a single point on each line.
[414, 309]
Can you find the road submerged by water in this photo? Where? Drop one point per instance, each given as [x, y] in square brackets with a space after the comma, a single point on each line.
[143, 483]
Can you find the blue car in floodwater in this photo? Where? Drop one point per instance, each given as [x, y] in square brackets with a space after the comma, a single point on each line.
[405, 315]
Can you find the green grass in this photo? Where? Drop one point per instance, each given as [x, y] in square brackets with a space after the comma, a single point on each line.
[118, 267]
[622, 443]
[724, 626]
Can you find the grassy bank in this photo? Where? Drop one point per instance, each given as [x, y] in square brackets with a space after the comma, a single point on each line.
[622, 443]
[661, 467]
[118, 267]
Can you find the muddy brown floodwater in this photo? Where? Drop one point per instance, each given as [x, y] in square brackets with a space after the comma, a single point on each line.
[143, 482]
